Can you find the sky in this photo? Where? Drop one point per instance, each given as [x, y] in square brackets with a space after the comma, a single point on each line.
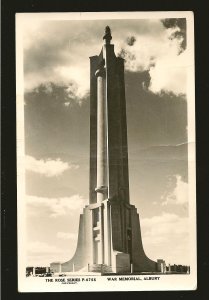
[56, 103]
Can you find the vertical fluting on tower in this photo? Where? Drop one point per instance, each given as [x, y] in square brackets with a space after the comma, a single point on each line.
[108, 134]
[101, 188]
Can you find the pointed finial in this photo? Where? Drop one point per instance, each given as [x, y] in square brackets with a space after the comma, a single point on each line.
[107, 30]
[107, 37]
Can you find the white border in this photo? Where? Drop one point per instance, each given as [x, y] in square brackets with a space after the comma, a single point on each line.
[166, 282]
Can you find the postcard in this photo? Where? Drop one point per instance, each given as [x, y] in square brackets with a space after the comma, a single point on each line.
[106, 185]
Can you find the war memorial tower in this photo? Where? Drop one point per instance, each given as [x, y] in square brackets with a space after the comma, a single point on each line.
[109, 236]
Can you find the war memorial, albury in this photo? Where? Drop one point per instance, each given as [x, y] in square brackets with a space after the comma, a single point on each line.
[109, 235]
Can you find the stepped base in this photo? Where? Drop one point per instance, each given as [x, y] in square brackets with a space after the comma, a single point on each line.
[108, 232]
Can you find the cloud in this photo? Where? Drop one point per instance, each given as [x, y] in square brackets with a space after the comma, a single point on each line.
[66, 235]
[54, 207]
[42, 248]
[42, 254]
[179, 24]
[55, 52]
[154, 115]
[160, 56]
[131, 40]
[166, 236]
[170, 73]
[48, 167]
[179, 195]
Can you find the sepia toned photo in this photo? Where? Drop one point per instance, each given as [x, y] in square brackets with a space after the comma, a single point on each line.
[105, 151]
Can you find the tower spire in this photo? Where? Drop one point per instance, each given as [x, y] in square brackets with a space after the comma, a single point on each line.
[107, 35]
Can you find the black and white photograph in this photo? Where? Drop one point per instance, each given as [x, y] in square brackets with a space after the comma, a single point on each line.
[105, 110]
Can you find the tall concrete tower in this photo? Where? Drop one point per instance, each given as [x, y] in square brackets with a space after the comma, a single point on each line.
[109, 237]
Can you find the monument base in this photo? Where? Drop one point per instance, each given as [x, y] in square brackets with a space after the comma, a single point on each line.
[109, 241]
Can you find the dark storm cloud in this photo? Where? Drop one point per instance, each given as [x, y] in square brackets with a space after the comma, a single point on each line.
[181, 24]
[54, 128]
[131, 40]
[127, 55]
[153, 119]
